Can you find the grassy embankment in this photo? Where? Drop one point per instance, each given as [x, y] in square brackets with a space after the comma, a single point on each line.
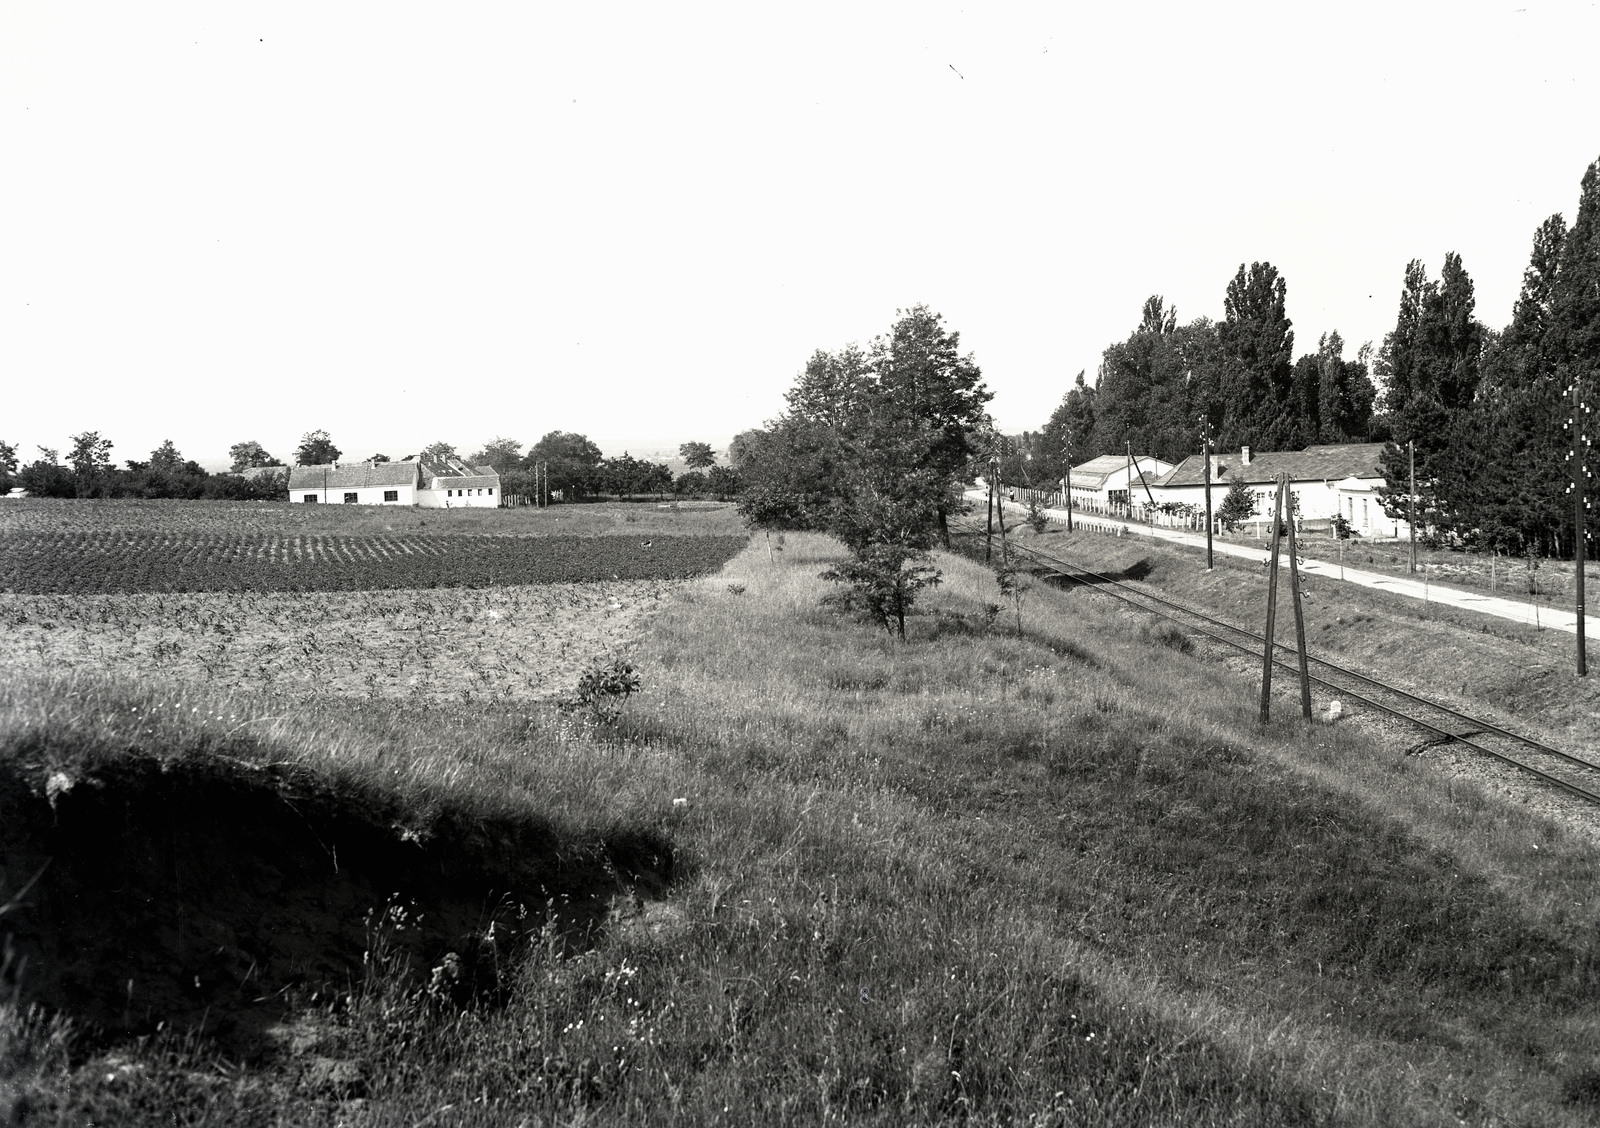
[1549, 583]
[1515, 673]
[1061, 878]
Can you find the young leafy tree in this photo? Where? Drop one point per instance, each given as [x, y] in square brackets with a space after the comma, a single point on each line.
[881, 583]
[8, 466]
[315, 449]
[249, 455]
[1238, 505]
[697, 456]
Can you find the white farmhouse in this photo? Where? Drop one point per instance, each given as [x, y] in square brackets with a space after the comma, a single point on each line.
[452, 484]
[449, 484]
[1340, 478]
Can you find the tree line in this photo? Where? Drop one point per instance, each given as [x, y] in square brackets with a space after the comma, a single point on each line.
[1158, 389]
[1487, 410]
[576, 469]
[1484, 409]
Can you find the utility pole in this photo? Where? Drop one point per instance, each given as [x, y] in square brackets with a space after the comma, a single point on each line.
[1205, 455]
[1299, 615]
[1129, 445]
[988, 532]
[1272, 605]
[1000, 507]
[1411, 501]
[1580, 440]
[1066, 484]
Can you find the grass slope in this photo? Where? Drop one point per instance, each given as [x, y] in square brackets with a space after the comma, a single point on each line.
[1060, 878]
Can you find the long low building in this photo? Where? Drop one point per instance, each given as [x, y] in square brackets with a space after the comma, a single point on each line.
[1339, 478]
[1107, 481]
[446, 484]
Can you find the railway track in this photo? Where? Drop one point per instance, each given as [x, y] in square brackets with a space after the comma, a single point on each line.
[1571, 774]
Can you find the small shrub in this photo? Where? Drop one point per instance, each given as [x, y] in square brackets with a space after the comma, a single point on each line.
[605, 688]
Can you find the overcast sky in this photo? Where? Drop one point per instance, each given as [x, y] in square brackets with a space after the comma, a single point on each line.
[403, 223]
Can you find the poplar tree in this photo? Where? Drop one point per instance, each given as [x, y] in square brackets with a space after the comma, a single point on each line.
[1257, 345]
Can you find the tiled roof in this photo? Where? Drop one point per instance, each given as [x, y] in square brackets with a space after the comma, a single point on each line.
[1316, 463]
[463, 481]
[439, 474]
[352, 475]
[1093, 474]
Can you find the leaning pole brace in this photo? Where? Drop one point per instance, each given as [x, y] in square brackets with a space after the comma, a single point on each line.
[1299, 616]
[1272, 605]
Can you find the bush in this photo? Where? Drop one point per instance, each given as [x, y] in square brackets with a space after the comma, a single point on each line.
[605, 688]
[883, 581]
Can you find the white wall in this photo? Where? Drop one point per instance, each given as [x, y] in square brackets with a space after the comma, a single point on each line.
[449, 497]
[365, 495]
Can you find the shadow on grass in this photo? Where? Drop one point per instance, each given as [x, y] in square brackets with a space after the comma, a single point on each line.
[207, 895]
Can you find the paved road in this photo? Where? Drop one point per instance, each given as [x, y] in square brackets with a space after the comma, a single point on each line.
[1518, 611]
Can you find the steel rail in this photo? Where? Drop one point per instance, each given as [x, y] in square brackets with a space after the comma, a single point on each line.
[1056, 564]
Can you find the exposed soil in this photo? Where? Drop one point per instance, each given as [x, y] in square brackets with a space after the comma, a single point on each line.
[213, 895]
[513, 642]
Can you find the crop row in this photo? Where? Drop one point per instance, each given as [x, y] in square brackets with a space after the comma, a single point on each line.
[120, 561]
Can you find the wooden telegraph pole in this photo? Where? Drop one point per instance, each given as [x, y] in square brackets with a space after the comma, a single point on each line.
[1281, 509]
[1299, 615]
[988, 532]
[1205, 456]
[1066, 482]
[1411, 501]
[1000, 511]
[1580, 440]
[1272, 606]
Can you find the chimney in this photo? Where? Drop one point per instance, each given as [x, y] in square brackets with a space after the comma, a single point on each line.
[1244, 455]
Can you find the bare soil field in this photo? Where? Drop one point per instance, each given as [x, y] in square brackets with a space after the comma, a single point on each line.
[513, 643]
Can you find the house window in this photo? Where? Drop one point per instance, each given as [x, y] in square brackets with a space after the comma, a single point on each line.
[449, 493]
[391, 495]
[491, 491]
[350, 499]
[310, 499]
[1364, 521]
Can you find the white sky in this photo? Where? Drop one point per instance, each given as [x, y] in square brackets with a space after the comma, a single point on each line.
[404, 223]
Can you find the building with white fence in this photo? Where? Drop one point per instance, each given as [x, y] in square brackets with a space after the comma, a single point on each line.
[1328, 480]
[1113, 482]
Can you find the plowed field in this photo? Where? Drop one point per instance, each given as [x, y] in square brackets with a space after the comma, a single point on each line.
[107, 561]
